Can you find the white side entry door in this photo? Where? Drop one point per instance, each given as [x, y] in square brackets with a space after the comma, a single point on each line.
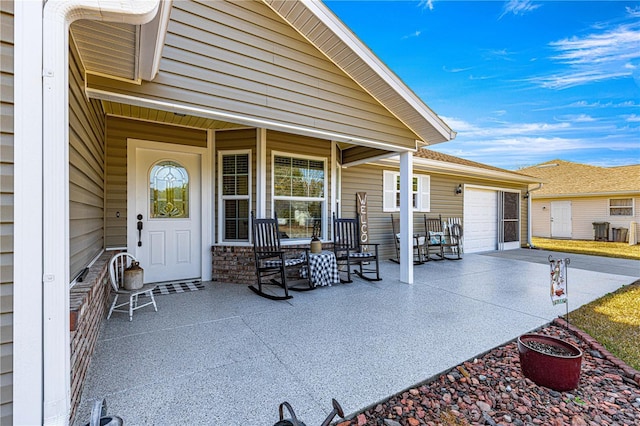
[164, 212]
[561, 219]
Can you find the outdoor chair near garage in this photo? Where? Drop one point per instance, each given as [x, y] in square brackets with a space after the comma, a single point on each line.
[435, 234]
[349, 250]
[117, 267]
[275, 263]
[452, 245]
[418, 243]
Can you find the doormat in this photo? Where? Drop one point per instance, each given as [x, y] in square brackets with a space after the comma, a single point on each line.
[173, 288]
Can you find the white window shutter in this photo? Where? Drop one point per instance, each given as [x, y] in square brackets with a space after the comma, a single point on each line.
[389, 197]
[424, 188]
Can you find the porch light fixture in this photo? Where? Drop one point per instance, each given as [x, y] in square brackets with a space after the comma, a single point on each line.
[459, 189]
[526, 195]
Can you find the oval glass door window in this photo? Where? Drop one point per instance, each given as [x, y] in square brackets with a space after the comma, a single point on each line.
[169, 191]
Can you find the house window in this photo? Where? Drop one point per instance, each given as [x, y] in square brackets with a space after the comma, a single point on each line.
[621, 206]
[299, 195]
[235, 189]
[421, 192]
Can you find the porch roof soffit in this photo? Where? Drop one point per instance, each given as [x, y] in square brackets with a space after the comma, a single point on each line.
[126, 51]
[314, 21]
[141, 113]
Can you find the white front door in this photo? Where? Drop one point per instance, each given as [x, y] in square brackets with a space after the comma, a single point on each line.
[164, 212]
[561, 219]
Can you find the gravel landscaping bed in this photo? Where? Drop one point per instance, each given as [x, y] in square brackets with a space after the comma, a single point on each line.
[491, 390]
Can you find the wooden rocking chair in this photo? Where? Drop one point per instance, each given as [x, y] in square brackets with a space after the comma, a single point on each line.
[435, 238]
[418, 243]
[274, 261]
[348, 249]
[453, 240]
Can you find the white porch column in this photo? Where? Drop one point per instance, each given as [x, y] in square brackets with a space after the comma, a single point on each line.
[406, 217]
[27, 257]
[261, 173]
[56, 18]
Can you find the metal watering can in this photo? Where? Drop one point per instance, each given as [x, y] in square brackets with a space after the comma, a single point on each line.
[293, 421]
[99, 416]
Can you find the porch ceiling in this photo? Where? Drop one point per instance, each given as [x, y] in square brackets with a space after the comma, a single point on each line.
[161, 116]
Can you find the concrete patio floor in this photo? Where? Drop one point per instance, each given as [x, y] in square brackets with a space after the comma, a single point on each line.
[224, 356]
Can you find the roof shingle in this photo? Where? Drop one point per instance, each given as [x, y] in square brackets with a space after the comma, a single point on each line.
[564, 178]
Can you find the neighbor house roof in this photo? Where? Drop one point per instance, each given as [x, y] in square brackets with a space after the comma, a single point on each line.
[564, 178]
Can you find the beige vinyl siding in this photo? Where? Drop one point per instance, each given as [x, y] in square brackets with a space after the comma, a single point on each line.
[233, 140]
[118, 130]
[541, 218]
[584, 212]
[86, 171]
[321, 35]
[6, 212]
[369, 178]
[242, 58]
[289, 144]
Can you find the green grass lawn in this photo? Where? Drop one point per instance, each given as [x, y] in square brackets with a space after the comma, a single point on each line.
[598, 248]
[614, 321]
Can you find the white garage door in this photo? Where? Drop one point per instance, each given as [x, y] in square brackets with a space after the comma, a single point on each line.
[480, 220]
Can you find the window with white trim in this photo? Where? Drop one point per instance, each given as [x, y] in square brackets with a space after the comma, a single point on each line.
[421, 190]
[621, 207]
[299, 194]
[234, 174]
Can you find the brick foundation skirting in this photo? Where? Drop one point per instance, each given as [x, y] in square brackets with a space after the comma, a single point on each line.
[88, 302]
[236, 264]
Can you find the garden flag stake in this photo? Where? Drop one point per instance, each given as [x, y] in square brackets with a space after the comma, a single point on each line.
[559, 286]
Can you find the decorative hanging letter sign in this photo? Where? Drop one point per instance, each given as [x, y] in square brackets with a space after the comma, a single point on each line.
[361, 208]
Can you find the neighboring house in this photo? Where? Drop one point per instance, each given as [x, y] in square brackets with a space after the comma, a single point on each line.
[575, 196]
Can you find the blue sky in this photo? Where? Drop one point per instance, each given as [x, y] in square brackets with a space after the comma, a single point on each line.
[522, 82]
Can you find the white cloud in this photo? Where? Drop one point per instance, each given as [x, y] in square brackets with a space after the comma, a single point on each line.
[413, 34]
[584, 118]
[633, 12]
[507, 145]
[518, 7]
[595, 57]
[426, 4]
[504, 129]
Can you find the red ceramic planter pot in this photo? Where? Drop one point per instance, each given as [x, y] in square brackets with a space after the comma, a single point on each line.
[560, 373]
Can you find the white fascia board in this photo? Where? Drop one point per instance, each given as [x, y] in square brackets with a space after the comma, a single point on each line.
[347, 36]
[588, 195]
[152, 37]
[236, 118]
[462, 170]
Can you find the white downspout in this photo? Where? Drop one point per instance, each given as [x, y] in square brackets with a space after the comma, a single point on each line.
[529, 191]
[57, 17]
